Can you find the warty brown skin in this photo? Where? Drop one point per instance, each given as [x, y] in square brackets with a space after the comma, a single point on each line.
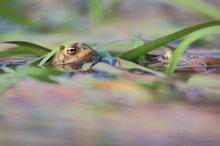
[75, 54]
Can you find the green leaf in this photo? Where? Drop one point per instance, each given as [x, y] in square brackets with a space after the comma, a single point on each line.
[185, 43]
[42, 74]
[10, 78]
[130, 65]
[23, 48]
[139, 51]
[19, 52]
[48, 56]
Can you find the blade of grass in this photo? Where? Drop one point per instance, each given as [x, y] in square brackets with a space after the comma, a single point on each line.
[186, 42]
[48, 56]
[20, 51]
[23, 49]
[29, 45]
[139, 51]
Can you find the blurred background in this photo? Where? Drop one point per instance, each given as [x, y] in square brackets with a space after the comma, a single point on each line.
[131, 110]
[54, 21]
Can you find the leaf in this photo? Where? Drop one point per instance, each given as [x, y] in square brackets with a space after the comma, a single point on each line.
[139, 51]
[185, 43]
[42, 74]
[130, 65]
[18, 52]
[23, 48]
[11, 77]
[48, 56]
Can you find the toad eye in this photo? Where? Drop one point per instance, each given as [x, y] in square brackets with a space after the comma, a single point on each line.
[71, 51]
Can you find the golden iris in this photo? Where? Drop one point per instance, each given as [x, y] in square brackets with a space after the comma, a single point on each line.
[71, 51]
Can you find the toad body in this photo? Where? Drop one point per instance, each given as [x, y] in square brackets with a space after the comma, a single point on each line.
[73, 54]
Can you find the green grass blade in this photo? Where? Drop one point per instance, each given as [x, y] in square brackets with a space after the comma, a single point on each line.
[185, 43]
[48, 56]
[28, 44]
[15, 51]
[139, 51]
[23, 48]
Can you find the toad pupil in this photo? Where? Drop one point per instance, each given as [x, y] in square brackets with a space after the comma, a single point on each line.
[71, 51]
